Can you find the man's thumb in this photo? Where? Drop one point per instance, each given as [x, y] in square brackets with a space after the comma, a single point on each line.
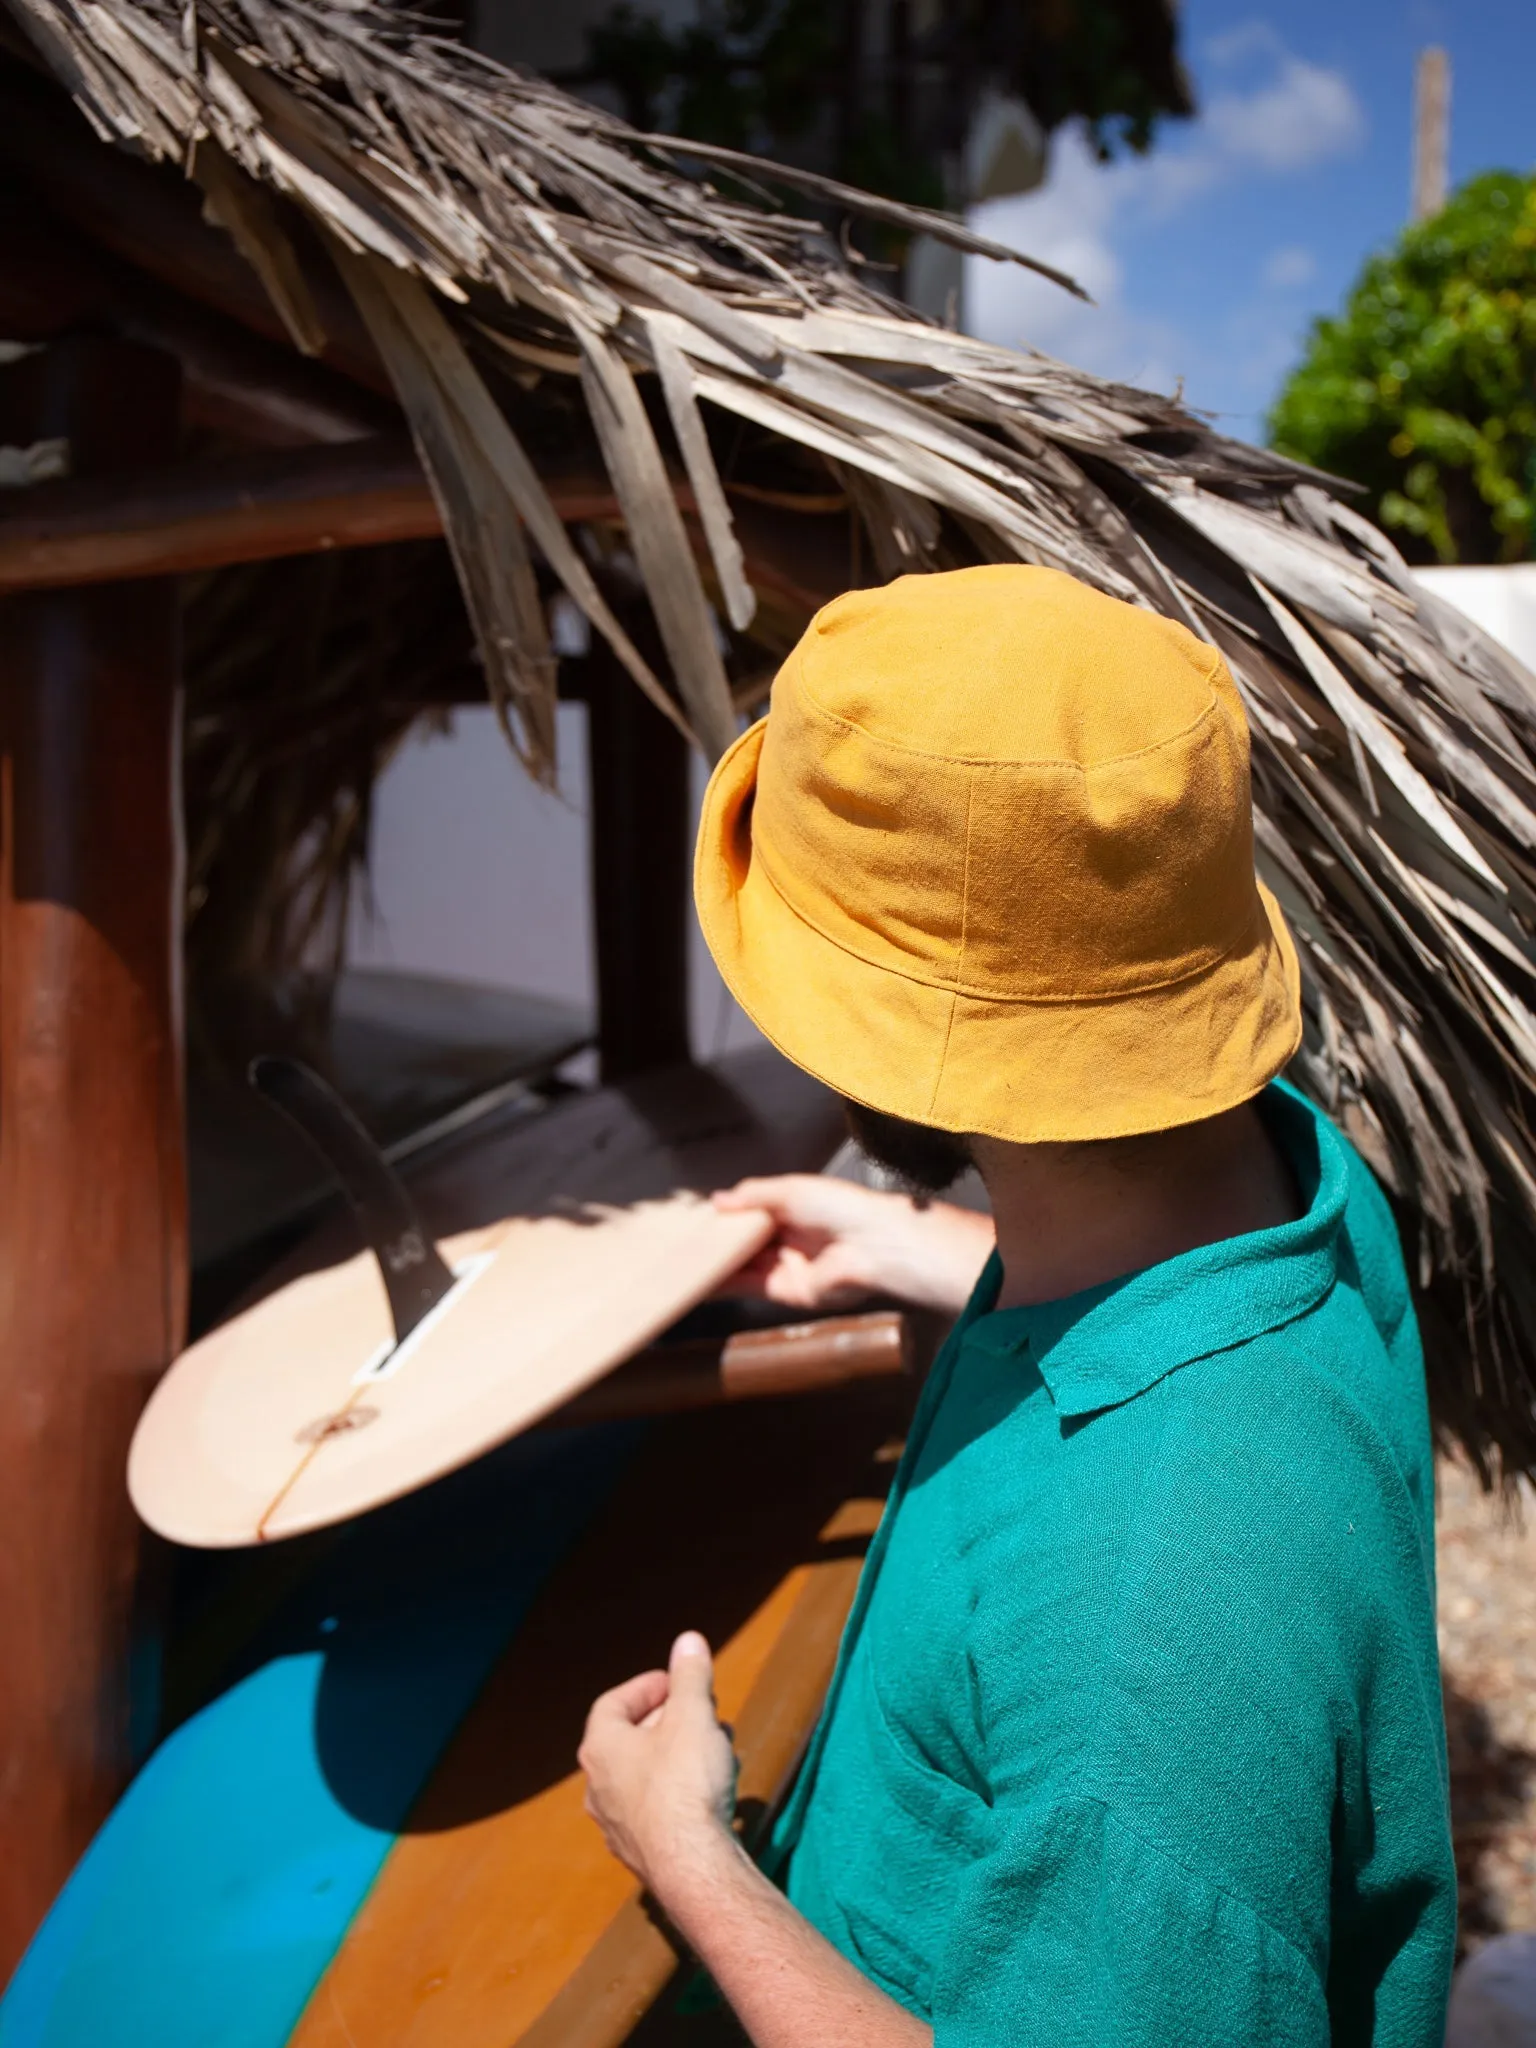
[692, 1670]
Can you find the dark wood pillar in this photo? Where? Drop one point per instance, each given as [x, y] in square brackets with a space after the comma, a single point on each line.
[641, 870]
[92, 1183]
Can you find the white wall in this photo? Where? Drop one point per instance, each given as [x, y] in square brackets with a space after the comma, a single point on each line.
[478, 874]
[1501, 600]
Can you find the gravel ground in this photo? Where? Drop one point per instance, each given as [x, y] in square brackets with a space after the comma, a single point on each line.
[1487, 1578]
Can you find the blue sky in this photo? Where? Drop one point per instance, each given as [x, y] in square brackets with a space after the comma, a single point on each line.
[1209, 257]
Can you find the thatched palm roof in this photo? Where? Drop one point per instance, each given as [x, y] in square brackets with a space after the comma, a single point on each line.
[480, 217]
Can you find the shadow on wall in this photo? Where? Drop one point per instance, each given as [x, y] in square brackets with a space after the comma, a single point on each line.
[1492, 1786]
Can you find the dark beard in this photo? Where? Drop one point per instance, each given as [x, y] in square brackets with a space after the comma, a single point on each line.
[924, 1160]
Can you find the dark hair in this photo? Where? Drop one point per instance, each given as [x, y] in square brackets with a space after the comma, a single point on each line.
[927, 1161]
[924, 1160]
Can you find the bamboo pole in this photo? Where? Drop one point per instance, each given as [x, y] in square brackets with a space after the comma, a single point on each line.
[751, 1365]
[1431, 132]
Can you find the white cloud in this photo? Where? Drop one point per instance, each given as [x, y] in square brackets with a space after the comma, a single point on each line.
[1286, 268]
[1285, 116]
[1306, 115]
[1071, 224]
[1243, 40]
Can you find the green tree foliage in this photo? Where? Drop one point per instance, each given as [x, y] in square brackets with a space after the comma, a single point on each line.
[886, 103]
[1424, 389]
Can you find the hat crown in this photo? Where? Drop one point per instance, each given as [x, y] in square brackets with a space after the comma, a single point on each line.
[1002, 782]
[1006, 664]
[988, 863]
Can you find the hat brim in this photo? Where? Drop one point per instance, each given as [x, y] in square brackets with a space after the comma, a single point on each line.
[1028, 1071]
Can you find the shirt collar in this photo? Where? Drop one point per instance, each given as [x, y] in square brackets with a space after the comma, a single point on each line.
[1110, 1343]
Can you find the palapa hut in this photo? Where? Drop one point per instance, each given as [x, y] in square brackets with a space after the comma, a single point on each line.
[633, 378]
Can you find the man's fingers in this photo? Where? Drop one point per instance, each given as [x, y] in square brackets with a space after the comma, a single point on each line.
[750, 1280]
[783, 1274]
[630, 1702]
[756, 1192]
[834, 1278]
[788, 1197]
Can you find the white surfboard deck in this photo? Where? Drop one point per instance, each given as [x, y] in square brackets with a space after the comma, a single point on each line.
[301, 1412]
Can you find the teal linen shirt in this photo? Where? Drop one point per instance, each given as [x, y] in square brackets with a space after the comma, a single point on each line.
[1135, 1735]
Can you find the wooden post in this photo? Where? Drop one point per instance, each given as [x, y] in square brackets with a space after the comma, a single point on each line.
[92, 1184]
[638, 771]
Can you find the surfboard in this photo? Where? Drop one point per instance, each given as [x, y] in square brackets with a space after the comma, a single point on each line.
[499, 1919]
[308, 1757]
[303, 1411]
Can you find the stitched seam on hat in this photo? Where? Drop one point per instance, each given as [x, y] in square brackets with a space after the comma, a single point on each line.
[984, 761]
[965, 905]
[990, 995]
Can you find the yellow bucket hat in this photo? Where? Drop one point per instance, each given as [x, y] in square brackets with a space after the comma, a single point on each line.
[987, 864]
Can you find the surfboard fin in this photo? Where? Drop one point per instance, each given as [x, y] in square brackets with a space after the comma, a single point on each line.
[415, 1275]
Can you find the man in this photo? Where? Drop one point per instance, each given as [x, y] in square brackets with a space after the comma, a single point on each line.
[1135, 1735]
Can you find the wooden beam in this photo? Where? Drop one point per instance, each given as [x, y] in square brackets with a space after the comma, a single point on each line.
[236, 382]
[187, 516]
[93, 1262]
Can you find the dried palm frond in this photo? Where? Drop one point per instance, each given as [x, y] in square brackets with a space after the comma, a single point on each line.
[302, 677]
[479, 214]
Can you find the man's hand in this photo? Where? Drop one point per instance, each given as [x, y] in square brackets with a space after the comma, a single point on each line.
[838, 1243]
[661, 1775]
[661, 1784]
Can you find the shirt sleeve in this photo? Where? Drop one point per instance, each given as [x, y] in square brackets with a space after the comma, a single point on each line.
[1074, 1933]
